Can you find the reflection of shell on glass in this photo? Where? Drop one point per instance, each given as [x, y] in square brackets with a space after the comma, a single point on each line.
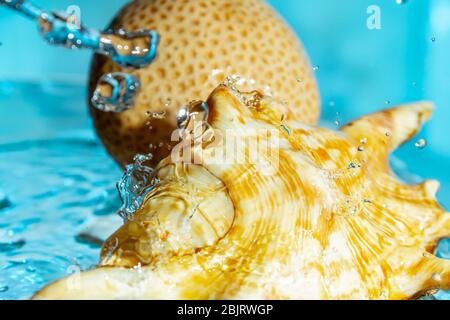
[329, 222]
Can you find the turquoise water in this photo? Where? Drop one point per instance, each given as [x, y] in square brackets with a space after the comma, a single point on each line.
[56, 181]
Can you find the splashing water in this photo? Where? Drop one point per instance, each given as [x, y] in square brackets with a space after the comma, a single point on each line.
[135, 49]
[130, 49]
[137, 181]
[115, 92]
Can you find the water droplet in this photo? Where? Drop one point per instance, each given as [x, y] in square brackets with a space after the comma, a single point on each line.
[182, 117]
[421, 144]
[3, 289]
[251, 99]
[361, 145]
[337, 121]
[351, 165]
[231, 82]
[387, 134]
[436, 277]
[401, 1]
[387, 102]
[115, 92]
[433, 39]
[188, 115]
[316, 67]
[141, 158]
[286, 129]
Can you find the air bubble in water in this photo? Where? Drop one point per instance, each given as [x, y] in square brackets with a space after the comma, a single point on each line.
[115, 92]
[4, 289]
[316, 67]
[401, 1]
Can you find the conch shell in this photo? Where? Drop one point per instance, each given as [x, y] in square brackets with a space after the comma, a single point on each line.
[323, 218]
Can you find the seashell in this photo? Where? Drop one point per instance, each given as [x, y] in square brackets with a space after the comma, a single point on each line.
[313, 218]
[203, 42]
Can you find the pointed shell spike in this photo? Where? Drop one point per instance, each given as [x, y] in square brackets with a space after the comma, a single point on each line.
[391, 127]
